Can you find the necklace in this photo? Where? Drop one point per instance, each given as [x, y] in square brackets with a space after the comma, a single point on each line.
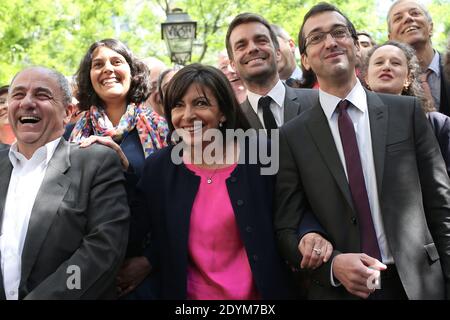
[209, 179]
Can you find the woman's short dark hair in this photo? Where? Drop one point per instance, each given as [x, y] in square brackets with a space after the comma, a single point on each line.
[213, 79]
[414, 88]
[317, 9]
[139, 86]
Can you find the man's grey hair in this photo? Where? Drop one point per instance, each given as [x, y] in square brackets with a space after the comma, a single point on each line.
[61, 80]
[421, 6]
[280, 32]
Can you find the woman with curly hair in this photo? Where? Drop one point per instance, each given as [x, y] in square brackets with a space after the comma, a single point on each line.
[393, 68]
[112, 88]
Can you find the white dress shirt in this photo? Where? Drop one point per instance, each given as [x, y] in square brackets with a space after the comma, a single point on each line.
[26, 179]
[360, 118]
[277, 93]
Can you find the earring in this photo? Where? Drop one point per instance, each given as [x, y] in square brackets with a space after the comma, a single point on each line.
[220, 124]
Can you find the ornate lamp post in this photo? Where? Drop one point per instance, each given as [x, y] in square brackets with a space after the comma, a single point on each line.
[179, 32]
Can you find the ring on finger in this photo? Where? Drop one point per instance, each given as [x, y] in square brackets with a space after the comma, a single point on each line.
[317, 251]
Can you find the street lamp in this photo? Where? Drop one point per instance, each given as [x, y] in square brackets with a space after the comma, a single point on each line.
[179, 31]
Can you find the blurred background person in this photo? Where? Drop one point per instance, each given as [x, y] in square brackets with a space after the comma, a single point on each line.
[211, 222]
[393, 68]
[161, 87]
[235, 80]
[112, 88]
[366, 43]
[287, 65]
[6, 133]
[155, 67]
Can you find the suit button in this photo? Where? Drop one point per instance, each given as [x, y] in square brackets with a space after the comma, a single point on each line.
[248, 229]
[240, 203]
[233, 179]
[255, 257]
[353, 220]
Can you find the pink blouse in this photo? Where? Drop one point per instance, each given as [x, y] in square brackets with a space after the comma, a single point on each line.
[218, 266]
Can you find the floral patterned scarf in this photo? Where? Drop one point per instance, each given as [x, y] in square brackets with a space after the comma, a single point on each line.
[151, 127]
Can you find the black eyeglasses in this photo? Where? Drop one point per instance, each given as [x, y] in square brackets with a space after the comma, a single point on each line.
[338, 33]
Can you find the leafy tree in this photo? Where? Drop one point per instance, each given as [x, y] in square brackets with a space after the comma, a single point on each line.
[58, 33]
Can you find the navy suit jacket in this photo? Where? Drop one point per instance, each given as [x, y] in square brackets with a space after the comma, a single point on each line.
[441, 128]
[167, 193]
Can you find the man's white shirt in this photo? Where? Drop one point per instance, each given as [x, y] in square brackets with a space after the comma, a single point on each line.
[277, 93]
[26, 179]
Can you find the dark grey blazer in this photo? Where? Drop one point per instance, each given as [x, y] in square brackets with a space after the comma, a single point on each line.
[4, 146]
[80, 217]
[413, 187]
[292, 108]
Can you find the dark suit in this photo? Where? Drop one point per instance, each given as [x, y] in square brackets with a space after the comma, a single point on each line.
[441, 128]
[413, 188]
[445, 90]
[80, 217]
[169, 191]
[4, 146]
[291, 108]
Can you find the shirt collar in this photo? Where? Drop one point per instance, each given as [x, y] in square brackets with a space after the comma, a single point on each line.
[41, 155]
[357, 96]
[277, 94]
[434, 65]
[297, 74]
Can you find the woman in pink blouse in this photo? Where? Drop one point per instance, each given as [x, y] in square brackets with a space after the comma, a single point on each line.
[210, 212]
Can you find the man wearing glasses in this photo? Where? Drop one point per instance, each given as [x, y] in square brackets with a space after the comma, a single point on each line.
[369, 168]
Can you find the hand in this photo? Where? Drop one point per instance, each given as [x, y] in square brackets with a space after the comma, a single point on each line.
[132, 273]
[353, 270]
[109, 142]
[315, 250]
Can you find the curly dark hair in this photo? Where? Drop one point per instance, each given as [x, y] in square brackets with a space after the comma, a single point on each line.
[206, 77]
[139, 86]
[414, 88]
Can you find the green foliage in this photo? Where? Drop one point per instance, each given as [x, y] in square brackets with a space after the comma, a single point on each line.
[58, 33]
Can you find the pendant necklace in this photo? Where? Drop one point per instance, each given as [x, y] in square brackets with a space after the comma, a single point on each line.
[209, 179]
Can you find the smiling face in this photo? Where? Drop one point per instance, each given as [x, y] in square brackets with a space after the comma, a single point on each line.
[199, 106]
[254, 54]
[408, 23]
[110, 75]
[36, 109]
[332, 60]
[388, 70]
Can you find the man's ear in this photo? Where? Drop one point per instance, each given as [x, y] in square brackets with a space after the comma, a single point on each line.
[305, 62]
[292, 45]
[69, 110]
[278, 55]
[431, 29]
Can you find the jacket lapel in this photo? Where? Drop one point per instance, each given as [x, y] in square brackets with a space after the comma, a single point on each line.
[252, 117]
[378, 118]
[49, 198]
[5, 176]
[321, 134]
[291, 104]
